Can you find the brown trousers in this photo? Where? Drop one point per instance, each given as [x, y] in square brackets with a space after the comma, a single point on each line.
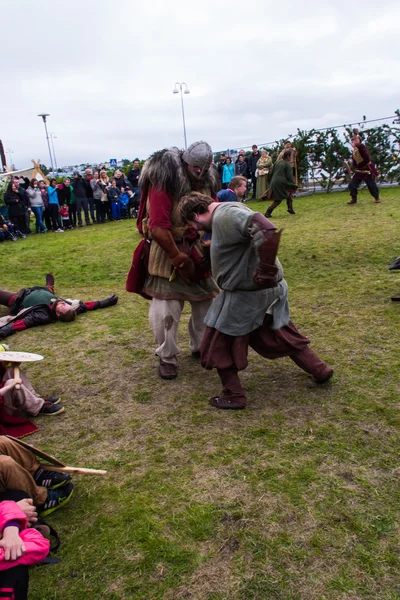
[228, 354]
[17, 465]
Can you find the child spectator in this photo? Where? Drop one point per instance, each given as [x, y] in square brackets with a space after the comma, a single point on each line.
[133, 203]
[64, 212]
[7, 231]
[124, 203]
[113, 196]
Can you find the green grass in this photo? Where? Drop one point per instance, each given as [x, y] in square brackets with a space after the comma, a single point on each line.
[295, 498]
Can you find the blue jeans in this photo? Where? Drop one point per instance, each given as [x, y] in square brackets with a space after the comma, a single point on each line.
[38, 212]
[116, 210]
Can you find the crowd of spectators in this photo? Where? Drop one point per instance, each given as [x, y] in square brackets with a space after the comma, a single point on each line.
[94, 197]
[59, 206]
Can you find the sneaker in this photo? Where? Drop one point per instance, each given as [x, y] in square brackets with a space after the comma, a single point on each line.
[51, 479]
[14, 238]
[53, 399]
[59, 230]
[56, 499]
[49, 409]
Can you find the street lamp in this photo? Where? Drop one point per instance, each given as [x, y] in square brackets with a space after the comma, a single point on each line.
[179, 87]
[44, 116]
[52, 136]
[9, 152]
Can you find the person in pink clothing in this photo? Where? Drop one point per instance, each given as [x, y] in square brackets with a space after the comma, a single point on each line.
[20, 547]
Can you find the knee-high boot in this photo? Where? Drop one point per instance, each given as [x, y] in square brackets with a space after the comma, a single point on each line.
[271, 207]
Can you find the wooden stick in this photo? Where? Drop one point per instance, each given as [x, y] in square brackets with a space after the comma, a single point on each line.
[17, 376]
[67, 469]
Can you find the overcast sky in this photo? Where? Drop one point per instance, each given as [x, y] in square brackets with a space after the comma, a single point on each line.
[256, 70]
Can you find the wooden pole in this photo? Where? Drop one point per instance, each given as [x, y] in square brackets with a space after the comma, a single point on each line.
[67, 469]
[17, 376]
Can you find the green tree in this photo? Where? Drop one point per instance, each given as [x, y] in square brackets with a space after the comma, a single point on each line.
[328, 152]
[44, 169]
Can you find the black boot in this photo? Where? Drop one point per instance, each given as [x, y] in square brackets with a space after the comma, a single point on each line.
[290, 206]
[109, 301]
[270, 208]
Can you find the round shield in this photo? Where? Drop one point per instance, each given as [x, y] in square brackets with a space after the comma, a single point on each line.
[18, 357]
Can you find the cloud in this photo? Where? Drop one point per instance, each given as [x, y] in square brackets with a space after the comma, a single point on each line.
[105, 72]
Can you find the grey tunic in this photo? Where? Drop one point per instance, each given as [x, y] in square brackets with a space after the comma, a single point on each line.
[241, 306]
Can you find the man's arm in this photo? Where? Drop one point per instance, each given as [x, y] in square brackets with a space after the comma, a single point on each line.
[38, 315]
[161, 232]
[265, 273]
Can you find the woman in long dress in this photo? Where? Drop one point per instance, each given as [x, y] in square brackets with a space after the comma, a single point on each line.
[264, 164]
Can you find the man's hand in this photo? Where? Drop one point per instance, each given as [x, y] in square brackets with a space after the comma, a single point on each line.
[184, 265]
[12, 544]
[26, 505]
[6, 330]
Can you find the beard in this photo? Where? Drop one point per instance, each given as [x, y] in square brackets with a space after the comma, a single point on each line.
[196, 183]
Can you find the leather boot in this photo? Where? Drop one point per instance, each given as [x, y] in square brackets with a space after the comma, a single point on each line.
[270, 208]
[109, 301]
[352, 201]
[289, 203]
[167, 370]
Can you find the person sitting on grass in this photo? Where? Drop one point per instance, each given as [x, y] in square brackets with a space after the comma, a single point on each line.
[20, 470]
[40, 305]
[25, 399]
[7, 231]
[134, 200]
[21, 546]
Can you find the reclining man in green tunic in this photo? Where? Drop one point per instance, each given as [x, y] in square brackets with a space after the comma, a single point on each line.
[40, 305]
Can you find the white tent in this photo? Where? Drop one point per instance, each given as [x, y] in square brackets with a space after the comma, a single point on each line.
[34, 172]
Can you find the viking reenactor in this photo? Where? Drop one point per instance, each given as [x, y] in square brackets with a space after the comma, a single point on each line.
[282, 185]
[252, 308]
[170, 265]
[39, 305]
[363, 169]
[293, 158]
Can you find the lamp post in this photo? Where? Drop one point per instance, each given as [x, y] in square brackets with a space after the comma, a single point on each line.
[44, 116]
[9, 152]
[52, 136]
[179, 87]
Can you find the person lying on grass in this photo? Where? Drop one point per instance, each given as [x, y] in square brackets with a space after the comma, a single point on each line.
[40, 305]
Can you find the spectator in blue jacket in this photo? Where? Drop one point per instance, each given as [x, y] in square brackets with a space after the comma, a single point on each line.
[54, 206]
[113, 196]
[227, 173]
[124, 203]
[236, 190]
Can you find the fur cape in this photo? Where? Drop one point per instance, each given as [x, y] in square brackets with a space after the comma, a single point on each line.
[165, 170]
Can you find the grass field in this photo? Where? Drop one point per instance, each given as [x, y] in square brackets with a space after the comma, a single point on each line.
[295, 498]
